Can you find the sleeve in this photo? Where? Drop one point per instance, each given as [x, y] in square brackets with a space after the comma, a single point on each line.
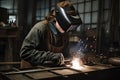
[28, 50]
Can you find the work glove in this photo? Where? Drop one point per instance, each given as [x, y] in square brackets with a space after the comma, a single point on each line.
[58, 59]
[54, 59]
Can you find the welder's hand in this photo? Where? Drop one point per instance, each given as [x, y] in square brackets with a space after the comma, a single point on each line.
[58, 59]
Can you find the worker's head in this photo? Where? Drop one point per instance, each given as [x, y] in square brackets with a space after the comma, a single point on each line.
[65, 16]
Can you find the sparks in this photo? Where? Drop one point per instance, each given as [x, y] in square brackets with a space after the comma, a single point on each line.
[76, 63]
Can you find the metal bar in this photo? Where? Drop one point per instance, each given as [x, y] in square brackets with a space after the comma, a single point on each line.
[34, 70]
[4, 63]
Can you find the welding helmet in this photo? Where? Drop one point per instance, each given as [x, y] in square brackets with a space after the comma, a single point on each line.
[68, 18]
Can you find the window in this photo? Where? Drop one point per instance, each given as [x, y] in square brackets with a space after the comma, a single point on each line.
[43, 8]
[12, 18]
[12, 7]
[89, 11]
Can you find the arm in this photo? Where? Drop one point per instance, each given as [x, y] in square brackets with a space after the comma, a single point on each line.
[29, 52]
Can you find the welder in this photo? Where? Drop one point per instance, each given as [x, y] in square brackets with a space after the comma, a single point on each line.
[47, 40]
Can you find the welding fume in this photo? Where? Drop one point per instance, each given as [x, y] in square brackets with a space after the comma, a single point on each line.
[47, 41]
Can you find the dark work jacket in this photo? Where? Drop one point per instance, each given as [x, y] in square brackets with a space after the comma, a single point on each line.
[37, 46]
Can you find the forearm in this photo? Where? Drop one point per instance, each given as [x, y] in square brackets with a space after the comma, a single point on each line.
[36, 57]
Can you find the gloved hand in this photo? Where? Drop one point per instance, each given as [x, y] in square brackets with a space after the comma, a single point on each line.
[52, 59]
[58, 59]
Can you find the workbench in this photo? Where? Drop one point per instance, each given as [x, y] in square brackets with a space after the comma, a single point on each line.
[95, 72]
